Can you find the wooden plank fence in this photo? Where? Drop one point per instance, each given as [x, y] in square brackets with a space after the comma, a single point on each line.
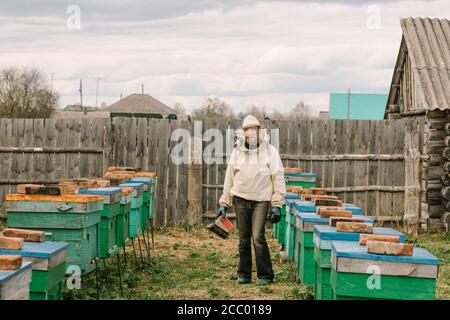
[364, 162]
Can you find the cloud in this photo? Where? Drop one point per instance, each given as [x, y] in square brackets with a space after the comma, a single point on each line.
[272, 53]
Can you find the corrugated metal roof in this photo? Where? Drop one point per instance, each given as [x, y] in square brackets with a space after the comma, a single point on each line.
[140, 103]
[428, 44]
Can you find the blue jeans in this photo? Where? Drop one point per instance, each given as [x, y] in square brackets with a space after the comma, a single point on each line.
[251, 219]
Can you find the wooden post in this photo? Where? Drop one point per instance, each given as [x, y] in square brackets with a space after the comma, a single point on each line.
[412, 181]
[195, 178]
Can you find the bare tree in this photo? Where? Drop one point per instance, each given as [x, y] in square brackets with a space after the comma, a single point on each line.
[299, 112]
[213, 108]
[254, 110]
[24, 93]
[179, 108]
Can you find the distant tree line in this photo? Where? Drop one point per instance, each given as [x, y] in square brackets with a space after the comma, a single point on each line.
[217, 108]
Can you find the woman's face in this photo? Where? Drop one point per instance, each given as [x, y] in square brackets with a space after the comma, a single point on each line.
[251, 135]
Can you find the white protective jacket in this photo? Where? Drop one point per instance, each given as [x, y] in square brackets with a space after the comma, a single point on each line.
[254, 174]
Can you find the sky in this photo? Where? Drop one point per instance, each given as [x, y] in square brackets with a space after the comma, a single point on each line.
[247, 52]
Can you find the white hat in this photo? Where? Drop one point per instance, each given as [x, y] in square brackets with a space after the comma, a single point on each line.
[250, 121]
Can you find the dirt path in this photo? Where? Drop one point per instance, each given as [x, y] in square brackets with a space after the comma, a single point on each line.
[196, 264]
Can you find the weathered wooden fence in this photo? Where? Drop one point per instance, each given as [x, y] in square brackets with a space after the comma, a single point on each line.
[374, 164]
[364, 162]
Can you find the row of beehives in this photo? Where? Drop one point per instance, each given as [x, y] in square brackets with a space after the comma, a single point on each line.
[83, 220]
[340, 252]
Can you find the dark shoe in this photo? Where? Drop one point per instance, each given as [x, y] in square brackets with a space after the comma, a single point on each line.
[242, 280]
[264, 282]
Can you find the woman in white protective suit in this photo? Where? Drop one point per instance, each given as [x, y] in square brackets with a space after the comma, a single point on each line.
[254, 184]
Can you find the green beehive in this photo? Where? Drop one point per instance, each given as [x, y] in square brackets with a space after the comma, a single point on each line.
[147, 194]
[124, 216]
[397, 277]
[281, 226]
[324, 237]
[304, 180]
[73, 219]
[48, 267]
[109, 228]
[306, 219]
[136, 212]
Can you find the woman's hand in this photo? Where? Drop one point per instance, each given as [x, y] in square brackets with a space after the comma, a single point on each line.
[274, 215]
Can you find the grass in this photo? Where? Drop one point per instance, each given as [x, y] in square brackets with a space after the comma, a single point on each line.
[439, 245]
[191, 263]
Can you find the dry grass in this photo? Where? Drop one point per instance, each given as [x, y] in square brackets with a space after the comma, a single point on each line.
[203, 266]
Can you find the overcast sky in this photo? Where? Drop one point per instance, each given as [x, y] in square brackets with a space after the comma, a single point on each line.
[272, 53]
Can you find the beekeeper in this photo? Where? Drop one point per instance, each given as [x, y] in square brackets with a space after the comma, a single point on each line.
[254, 184]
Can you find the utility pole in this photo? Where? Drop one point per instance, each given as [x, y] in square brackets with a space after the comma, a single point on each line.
[81, 93]
[348, 104]
[142, 88]
[96, 94]
[51, 83]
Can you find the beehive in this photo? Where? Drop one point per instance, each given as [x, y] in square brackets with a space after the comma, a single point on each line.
[304, 180]
[400, 277]
[279, 228]
[73, 219]
[137, 202]
[124, 215]
[152, 177]
[109, 229]
[305, 218]
[48, 267]
[147, 194]
[324, 236]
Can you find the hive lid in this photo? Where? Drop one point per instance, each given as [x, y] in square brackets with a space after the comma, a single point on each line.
[135, 185]
[144, 180]
[354, 250]
[329, 233]
[303, 174]
[6, 275]
[44, 249]
[304, 206]
[292, 195]
[101, 191]
[83, 198]
[315, 218]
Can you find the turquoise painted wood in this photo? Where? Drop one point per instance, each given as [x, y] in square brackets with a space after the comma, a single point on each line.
[78, 226]
[289, 232]
[136, 209]
[305, 180]
[109, 225]
[123, 220]
[357, 106]
[149, 195]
